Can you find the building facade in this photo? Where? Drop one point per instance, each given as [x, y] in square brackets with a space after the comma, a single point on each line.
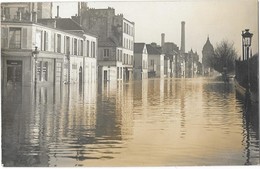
[110, 27]
[33, 53]
[155, 62]
[26, 10]
[140, 61]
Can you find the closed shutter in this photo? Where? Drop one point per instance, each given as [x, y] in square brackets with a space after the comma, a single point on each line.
[4, 37]
[52, 42]
[24, 38]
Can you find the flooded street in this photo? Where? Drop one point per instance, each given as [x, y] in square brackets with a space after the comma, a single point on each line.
[155, 122]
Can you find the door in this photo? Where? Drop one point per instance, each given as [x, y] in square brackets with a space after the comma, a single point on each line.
[14, 71]
[105, 76]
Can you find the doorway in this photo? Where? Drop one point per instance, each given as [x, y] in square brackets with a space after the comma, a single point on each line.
[14, 71]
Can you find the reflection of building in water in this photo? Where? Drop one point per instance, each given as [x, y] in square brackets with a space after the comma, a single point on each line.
[114, 111]
[22, 128]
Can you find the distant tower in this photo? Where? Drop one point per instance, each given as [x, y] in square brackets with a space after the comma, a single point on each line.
[163, 42]
[183, 37]
[162, 39]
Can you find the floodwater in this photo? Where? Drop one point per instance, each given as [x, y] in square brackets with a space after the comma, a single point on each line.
[155, 122]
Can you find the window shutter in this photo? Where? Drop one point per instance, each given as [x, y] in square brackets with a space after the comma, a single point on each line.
[47, 42]
[52, 42]
[4, 37]
[24, 38]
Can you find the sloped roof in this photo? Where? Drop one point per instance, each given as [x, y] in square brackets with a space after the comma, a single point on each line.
[63, 23]
[152, 51]
[107, 43]
[138, 47]
[208, 46]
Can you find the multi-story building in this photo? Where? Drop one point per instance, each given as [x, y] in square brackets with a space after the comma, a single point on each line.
[140, 61]
[115, 33]
[26, 10]
[33, 53]
[155, 61]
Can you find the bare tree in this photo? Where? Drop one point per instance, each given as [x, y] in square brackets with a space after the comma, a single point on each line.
[224, 57]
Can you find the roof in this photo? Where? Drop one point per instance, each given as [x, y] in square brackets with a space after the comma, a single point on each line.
[107, 43]
[152, 51]
[63, 23]
[207, 46]
[138, 47]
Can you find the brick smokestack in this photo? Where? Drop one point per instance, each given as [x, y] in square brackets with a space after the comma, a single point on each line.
[162, 39]
[183, 37]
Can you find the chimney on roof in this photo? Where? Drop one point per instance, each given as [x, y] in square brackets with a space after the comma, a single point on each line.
[79, 8]
[34, 17]
[58, 12]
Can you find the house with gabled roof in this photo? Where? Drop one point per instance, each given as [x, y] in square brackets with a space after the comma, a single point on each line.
[140, 61]
[155, 61]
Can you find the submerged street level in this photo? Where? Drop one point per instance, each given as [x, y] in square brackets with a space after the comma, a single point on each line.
[153, 122]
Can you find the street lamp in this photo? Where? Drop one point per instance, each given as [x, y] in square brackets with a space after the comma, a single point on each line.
[246, 39]
[35, 56]
[68, 59]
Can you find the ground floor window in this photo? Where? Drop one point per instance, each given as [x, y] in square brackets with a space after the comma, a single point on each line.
[42, 71]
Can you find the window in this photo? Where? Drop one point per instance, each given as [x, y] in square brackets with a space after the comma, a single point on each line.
[59, 43]
[7, 12]
[42, 71]
[45, 41]
[94, 50]
[81, 47]
[120, 56]
[15, 38]
[67, 45]
[88, 48]
[75, 46]
[152, 62]
[117, 72]
[106, 52]
[38, 39]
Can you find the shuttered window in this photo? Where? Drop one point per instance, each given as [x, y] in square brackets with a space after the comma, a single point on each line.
[24, 38]
[4, 37]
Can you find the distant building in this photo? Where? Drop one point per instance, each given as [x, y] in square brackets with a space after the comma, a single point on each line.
[110, 29]
[29, 11]
[140, 61]
[155, 61]
[207, 53]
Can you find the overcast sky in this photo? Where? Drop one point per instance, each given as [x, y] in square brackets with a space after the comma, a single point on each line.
[218, 19]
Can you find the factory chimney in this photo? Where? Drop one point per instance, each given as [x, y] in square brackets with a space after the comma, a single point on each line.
[183, 37]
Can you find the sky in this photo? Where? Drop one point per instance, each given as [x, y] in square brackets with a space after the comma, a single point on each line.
[217, 19]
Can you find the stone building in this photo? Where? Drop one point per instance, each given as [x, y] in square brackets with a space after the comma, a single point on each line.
[34, 53]
[140, 61]
[110, 29]
[155, 61]
[26, 10]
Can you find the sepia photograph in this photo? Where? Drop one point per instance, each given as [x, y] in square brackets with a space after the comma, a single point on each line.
[130, 83]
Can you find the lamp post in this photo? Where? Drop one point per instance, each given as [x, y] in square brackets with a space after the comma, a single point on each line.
[35, 56]
[68, 58]
[246, 39]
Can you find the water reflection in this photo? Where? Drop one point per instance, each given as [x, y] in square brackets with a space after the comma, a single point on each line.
[153, 122]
